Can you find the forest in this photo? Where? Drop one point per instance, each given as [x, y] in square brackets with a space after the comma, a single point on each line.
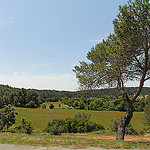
[101, 99]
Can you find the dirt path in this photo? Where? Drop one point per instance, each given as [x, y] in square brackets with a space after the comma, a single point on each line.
[126, 138]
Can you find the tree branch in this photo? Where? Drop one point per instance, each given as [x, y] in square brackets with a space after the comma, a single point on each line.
[139, 64]
[142, 78]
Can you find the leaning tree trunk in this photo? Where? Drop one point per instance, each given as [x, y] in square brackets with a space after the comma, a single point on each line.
[126, 119]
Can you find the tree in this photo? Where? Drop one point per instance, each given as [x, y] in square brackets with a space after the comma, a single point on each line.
[81, 105]
[32, 95]
[31, 104]
[7, 117]
[76, 104]
[43, 106]
[123, 56]
[51, 106]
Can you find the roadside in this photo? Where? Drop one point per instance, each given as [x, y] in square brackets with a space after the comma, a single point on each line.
[20, 147]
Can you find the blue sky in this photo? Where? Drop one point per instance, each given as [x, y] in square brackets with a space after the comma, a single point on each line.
[42, 40]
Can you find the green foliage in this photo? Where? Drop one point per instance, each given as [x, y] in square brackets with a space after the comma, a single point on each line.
[31, 104]
[25, 127]
[82, 105]
[55, 127]
[51, 106]
[82, 115]
[106, 97]
[114, 124]
[146, 120]
[43, 106]
[7, 117]
[72, 125]
[76, 104]
[129, 129]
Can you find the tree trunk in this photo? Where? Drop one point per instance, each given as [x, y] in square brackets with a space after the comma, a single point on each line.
[126, 119]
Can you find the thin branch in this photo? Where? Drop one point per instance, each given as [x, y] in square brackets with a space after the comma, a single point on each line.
[147, 78]
[139, 64]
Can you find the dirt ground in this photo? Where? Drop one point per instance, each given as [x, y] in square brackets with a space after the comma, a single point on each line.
[132, 138]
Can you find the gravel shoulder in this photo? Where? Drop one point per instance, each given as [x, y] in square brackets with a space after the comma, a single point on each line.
[21, 147]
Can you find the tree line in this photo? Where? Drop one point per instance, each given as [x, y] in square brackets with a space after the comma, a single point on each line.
[102, 99]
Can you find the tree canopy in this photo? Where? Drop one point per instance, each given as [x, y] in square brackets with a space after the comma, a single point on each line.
[123, 56]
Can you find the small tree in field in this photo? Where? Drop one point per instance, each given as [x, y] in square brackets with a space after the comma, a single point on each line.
[7, 117]
[123, 56]
[51, 106]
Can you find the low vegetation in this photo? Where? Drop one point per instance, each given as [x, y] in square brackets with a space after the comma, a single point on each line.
[73, 140]
[72, 125]
[67, 117]
[25, 127]
[67, 112]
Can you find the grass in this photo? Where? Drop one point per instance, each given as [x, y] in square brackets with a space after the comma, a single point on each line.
[69, 140]
[40, 117]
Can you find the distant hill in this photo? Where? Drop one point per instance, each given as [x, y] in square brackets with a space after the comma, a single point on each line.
[112, 92]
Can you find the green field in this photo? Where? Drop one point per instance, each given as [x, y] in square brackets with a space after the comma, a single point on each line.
[40, 117]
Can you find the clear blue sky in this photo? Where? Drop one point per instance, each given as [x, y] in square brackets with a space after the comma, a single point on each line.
[42, 40]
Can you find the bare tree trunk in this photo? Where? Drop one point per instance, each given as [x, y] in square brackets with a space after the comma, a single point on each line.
[126, 119]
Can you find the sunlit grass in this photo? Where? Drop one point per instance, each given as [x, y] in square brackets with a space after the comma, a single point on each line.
[69, 140]
[40, 117]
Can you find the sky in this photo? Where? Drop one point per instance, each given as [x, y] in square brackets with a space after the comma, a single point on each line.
[42, 40]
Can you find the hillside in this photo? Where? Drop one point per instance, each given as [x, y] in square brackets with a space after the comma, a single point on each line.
[93, 93]
[102, 99]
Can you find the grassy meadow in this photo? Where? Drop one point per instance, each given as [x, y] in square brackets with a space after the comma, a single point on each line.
[40, 117]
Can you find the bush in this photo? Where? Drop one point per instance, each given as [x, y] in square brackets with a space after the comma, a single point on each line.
[25, 127]
[72, 125]
[129, 129]
[56, 127]
[146, 120]
[7, 117]
[114, 124]
[43, 106]
[51, 106]
[31, 104]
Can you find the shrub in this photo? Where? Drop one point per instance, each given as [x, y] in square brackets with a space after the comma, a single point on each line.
[72, 125]
[129, 129]
[56, 127]
[114, 124]
[25, 127]
[51, 106]
[43, 106]
[31, 104]
[146, 120]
